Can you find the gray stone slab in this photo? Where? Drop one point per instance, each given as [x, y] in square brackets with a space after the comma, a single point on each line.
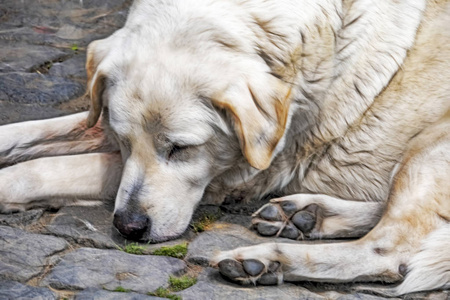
[21, 219]
[87, 226]
[23, 255]
[72, 67]
[11, 290]
[15, 112]
[110, 269]
[34, 88]
[211, 285]
[97, 294]
[22, 57]
[61, 23]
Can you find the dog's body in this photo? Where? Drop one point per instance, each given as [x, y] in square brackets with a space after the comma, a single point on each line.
[320, 101]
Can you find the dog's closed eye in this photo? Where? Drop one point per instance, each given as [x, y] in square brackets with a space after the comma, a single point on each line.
[176, 151]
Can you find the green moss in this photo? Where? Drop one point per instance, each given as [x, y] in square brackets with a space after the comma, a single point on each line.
[177, 251]
[176, 284]
[74, 47]
[204, 222]
[133, 248]
[181, 283]
[121, 290]
[164, 293]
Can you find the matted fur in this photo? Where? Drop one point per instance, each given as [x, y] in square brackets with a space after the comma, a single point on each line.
[331, 103]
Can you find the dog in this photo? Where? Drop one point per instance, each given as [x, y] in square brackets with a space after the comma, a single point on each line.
[341, 107]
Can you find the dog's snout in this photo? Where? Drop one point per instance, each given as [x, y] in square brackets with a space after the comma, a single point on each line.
[131, 225]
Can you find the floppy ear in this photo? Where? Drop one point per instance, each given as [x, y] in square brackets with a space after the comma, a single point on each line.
[260, 108]
[95, 82]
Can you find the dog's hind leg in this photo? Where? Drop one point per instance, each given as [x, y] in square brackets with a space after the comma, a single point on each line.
[410, 242]
[314, 216]
[60, 180]
[58, 136]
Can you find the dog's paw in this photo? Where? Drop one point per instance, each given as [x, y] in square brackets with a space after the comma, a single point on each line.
[249, 266]
[288, 219]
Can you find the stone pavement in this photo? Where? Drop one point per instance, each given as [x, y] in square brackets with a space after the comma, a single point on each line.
[74, 253]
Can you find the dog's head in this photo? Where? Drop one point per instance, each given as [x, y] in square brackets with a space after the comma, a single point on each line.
[184, 110]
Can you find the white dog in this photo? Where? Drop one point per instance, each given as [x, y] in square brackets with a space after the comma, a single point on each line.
[329, 102]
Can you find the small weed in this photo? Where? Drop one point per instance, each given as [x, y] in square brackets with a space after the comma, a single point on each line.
[74, 47]
[164, 293]
[133, 248]
[204, 222]
[177, 251]
[176, 284]
[121, 290]
[181, 283]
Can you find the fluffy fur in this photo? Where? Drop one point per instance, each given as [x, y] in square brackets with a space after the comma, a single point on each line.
[332, 103]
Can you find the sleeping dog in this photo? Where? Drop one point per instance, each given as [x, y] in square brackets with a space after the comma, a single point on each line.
[341, 106]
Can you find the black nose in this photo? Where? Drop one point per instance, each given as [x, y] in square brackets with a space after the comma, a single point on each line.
[131, 225]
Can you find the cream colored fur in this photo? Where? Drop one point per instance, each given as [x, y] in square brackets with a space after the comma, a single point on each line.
[332, 103]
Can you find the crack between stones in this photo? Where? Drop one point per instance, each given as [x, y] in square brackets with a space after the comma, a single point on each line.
[44, 68]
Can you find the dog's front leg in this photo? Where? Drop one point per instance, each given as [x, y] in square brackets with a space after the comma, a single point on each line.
[58, 136]
[56, 181]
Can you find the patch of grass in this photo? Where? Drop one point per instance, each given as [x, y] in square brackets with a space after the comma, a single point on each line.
[74, 47]
[204, 222]
[181, 283]
[133, 248]
[177, 251]
[164, 293]
[121, 289]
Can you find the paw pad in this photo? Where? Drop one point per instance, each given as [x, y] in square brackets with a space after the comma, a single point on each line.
[286, 220]
[251, 270]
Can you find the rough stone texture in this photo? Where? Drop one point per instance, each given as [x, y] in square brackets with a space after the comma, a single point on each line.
[211, 285]
[14, 112]
[87, 226]
[97, 294]
[22, 57]
[110, 269]
[42, 53]
[17, 291]
[23, 255]
[21, 219]
[37, 88]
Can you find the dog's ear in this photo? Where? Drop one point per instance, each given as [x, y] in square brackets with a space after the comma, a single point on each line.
[260, 107]
[95, 81]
